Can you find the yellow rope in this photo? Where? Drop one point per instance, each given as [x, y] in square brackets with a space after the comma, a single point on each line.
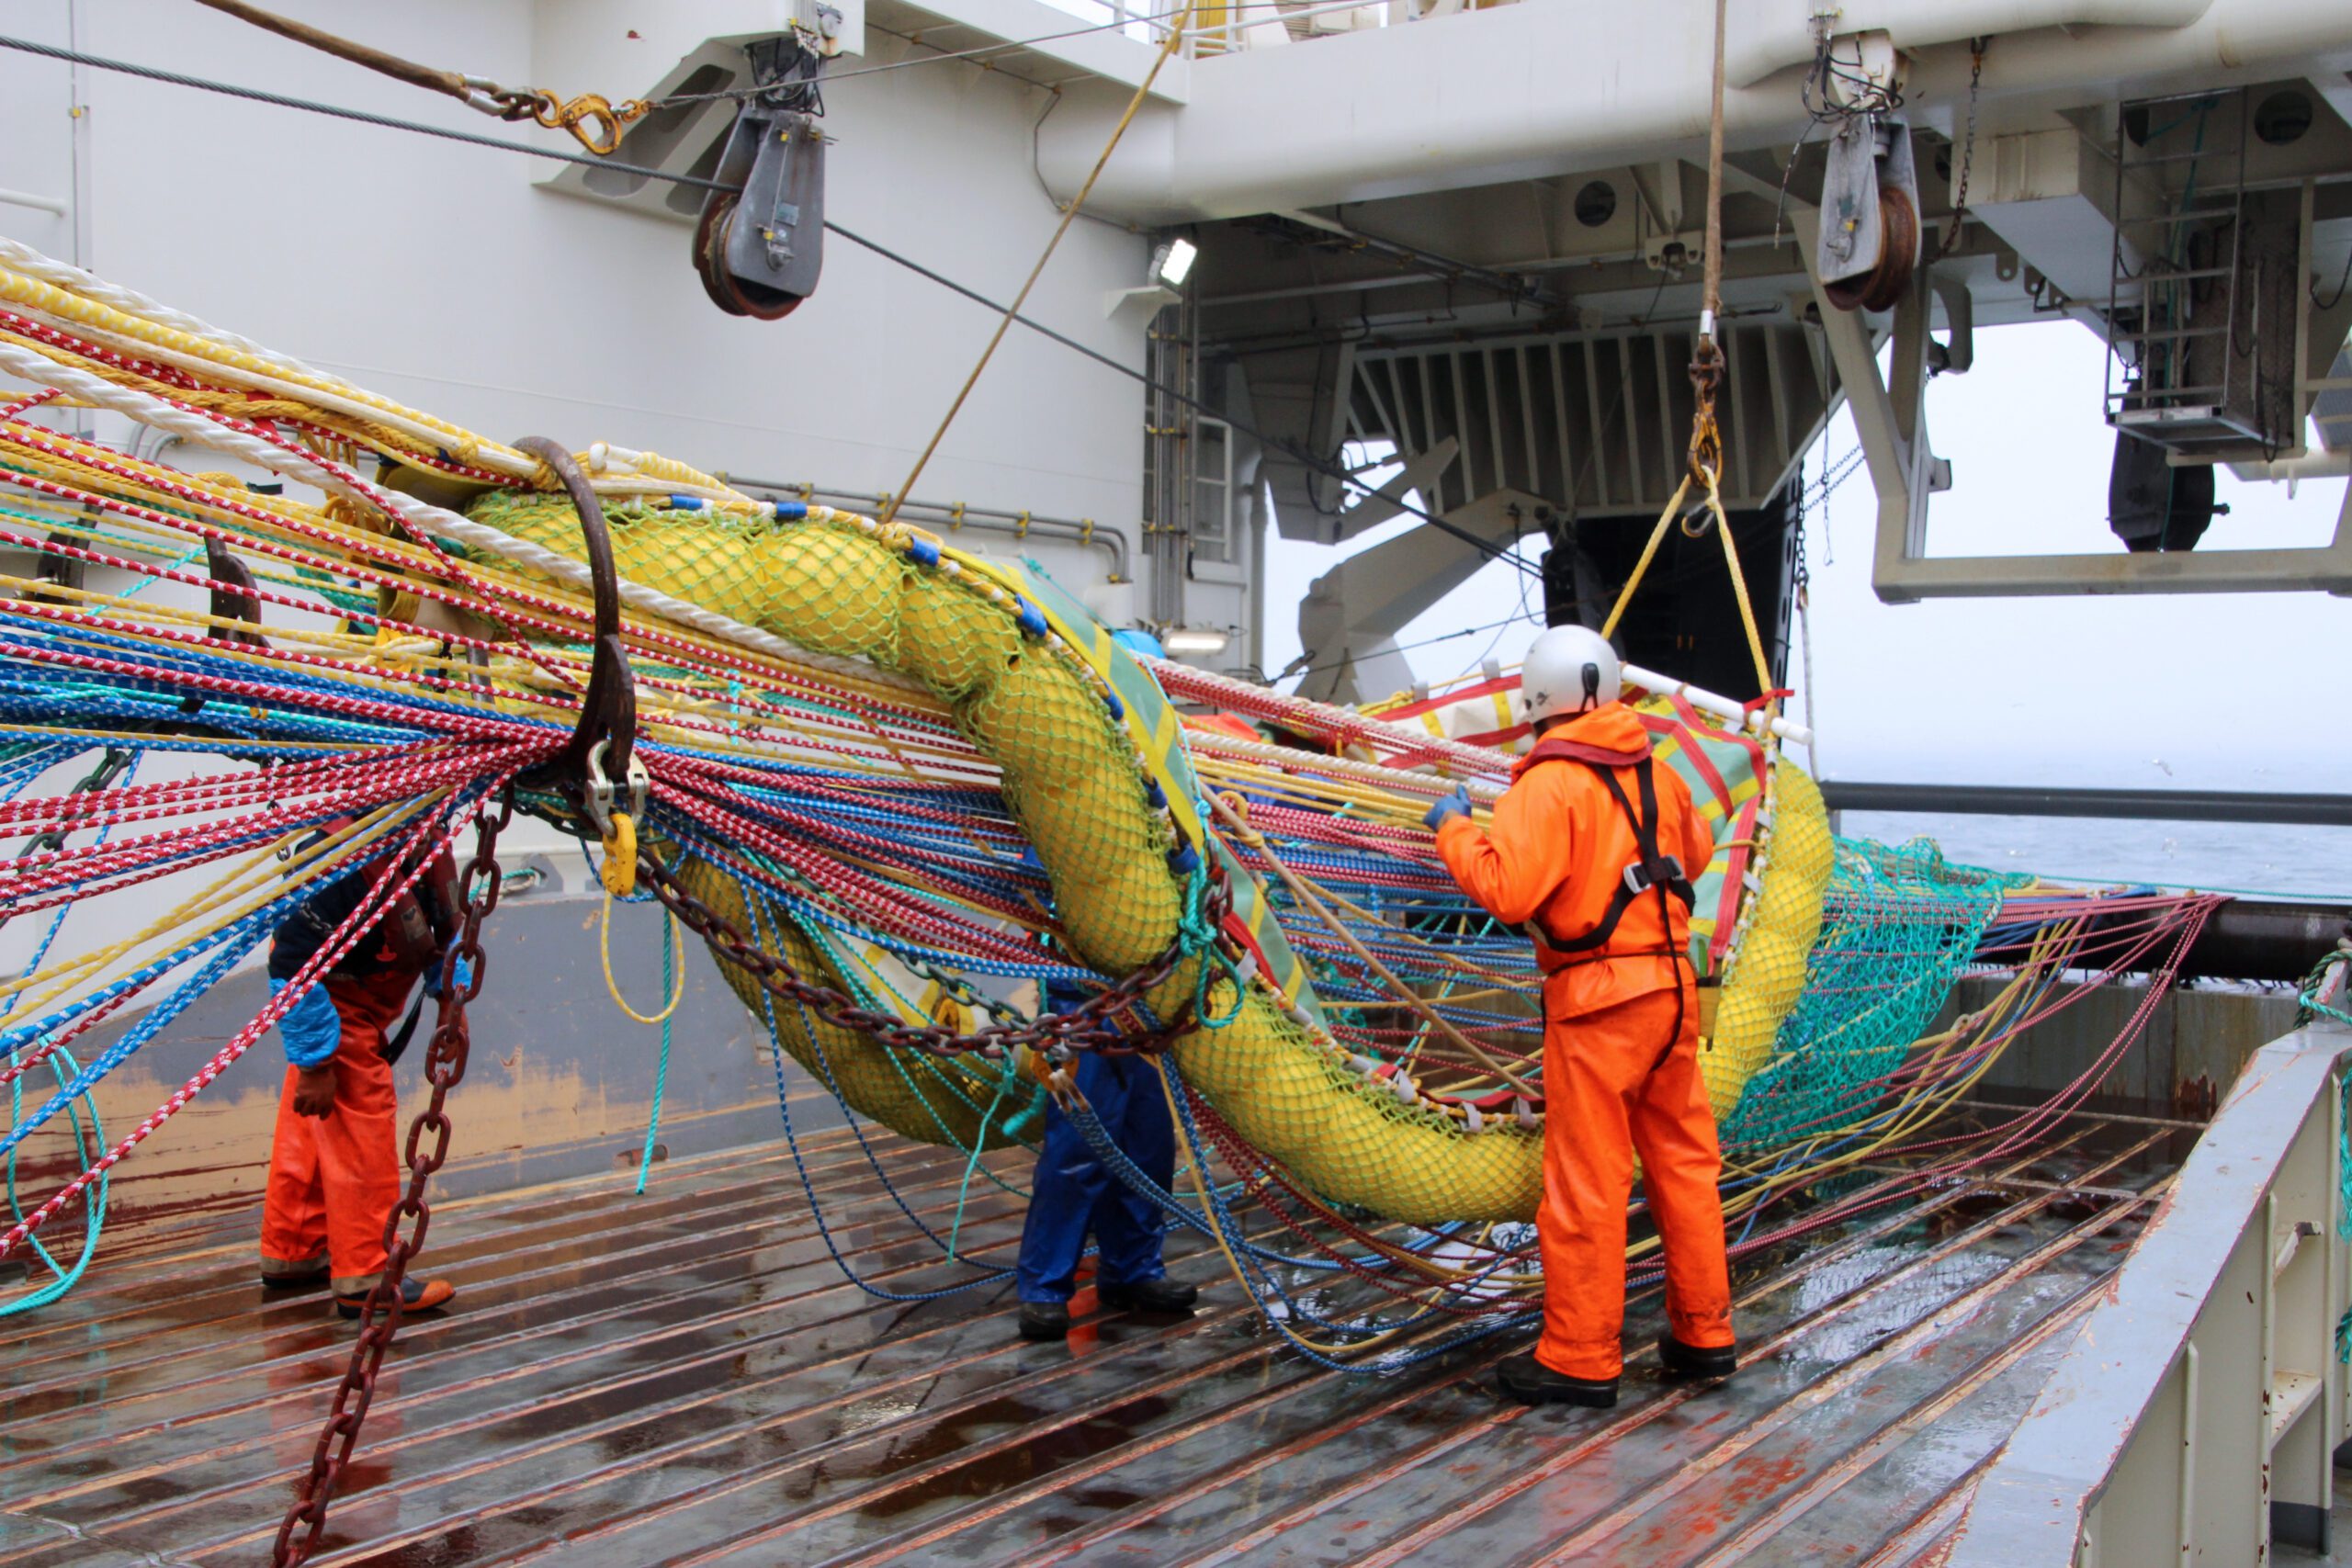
[672, 932]
[1217, 1230]
[1240, 829]
[1739, 592]
[1069, 215]
[92, 969]
[1649, 551]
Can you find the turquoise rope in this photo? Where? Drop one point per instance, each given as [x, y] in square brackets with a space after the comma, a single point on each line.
[661, 1073]
[1008, 1072]
[1197, 934]
[63, 1067]
[65, 1070]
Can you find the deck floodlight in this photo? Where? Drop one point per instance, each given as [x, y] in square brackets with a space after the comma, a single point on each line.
[1173, 261]
[1188, 639]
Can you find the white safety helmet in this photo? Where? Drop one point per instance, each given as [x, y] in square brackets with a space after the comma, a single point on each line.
[1568, 670]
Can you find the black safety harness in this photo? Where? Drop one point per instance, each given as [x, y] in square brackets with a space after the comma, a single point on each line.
[418, 925]
[1650, 872]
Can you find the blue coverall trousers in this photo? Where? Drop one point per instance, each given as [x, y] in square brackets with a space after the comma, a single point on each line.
[1075, 1193]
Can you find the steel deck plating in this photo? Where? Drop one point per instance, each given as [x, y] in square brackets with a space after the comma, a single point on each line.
[686, 1377]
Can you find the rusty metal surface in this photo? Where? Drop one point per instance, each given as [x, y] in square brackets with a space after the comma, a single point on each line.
[687, 1377]
[564, 1092]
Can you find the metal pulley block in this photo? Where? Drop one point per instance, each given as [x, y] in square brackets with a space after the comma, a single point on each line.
[759, 244]
[1870, 234]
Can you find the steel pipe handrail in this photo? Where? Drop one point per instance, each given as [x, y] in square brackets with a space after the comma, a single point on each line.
[1084, 532]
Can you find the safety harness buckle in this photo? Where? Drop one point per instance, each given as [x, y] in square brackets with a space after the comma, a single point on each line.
[1641, 877]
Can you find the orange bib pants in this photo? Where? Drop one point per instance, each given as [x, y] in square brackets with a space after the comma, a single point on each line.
[335, 1178]
[1617, 1075]
[1612, 1087]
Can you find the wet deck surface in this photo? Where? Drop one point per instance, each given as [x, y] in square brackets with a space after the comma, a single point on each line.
[686, 1377]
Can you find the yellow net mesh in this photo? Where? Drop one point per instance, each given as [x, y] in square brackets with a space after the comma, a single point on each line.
[1070, 776]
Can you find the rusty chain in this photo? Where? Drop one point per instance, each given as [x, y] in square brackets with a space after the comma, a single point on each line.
[1976, 47]
[380, 1317]
[1090, 1026]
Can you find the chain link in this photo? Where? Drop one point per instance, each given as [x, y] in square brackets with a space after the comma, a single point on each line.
[1976, 47]
[380, 1316]
[1706, 438]
[956, 988]
[1093, 1025]
[1090, 1026]
[595, 120]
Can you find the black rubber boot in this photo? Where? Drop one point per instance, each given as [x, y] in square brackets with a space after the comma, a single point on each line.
[1530, 1382]
[416, 1295]
[294, 1277]
[1046, 1322]
[1679, 1360]
[1163, 1296]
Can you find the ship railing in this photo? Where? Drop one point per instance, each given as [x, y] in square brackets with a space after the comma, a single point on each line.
[2196, 1417]
[1222, 26]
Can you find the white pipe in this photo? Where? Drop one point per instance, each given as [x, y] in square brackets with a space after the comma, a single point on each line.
[1741, 718]
[2311, 466]
[1766, 39]
[1516, 92]
[38, 203]
[1428, 785]
[1406, 738]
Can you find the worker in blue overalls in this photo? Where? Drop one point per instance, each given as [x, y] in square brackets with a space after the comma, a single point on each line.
[1075, 1193]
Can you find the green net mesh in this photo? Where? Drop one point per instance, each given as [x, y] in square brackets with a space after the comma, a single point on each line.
[1808, 1018]
[1897, 926]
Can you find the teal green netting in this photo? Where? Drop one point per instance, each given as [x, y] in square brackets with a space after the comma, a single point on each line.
[1897, 926]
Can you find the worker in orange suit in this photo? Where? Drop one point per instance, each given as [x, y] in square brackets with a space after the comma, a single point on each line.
[1591, 852]
[335, 1170]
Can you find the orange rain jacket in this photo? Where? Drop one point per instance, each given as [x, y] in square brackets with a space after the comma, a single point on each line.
[1553, 852]
[1621, 1068]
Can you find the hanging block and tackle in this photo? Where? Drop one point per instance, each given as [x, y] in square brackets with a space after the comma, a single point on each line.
[759, 243]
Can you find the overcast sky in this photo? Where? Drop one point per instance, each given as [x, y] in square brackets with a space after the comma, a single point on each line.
[2241, 691]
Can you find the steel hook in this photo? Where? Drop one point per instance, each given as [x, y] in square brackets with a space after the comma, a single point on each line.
[596, 761]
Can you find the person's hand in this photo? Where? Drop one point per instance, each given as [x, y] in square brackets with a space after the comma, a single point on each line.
[464, 976]
[314, 1090]
[1454, 804]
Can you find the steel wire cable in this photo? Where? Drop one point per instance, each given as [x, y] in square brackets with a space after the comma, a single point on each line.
[1331, 470]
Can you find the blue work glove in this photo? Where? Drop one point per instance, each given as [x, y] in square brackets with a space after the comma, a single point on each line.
[1454, 804]
[312, 1029]
[433, 976]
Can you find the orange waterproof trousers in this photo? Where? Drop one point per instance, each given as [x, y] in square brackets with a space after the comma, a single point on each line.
[334, 1179]
[1608, 1094]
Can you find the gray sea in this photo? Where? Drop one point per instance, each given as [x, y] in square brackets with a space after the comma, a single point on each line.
[2297, 863]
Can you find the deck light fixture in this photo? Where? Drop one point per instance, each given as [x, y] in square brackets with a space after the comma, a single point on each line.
[1189, 639]
[1173, 261]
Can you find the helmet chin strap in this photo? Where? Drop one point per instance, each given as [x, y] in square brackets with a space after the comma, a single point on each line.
[1591, 688]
